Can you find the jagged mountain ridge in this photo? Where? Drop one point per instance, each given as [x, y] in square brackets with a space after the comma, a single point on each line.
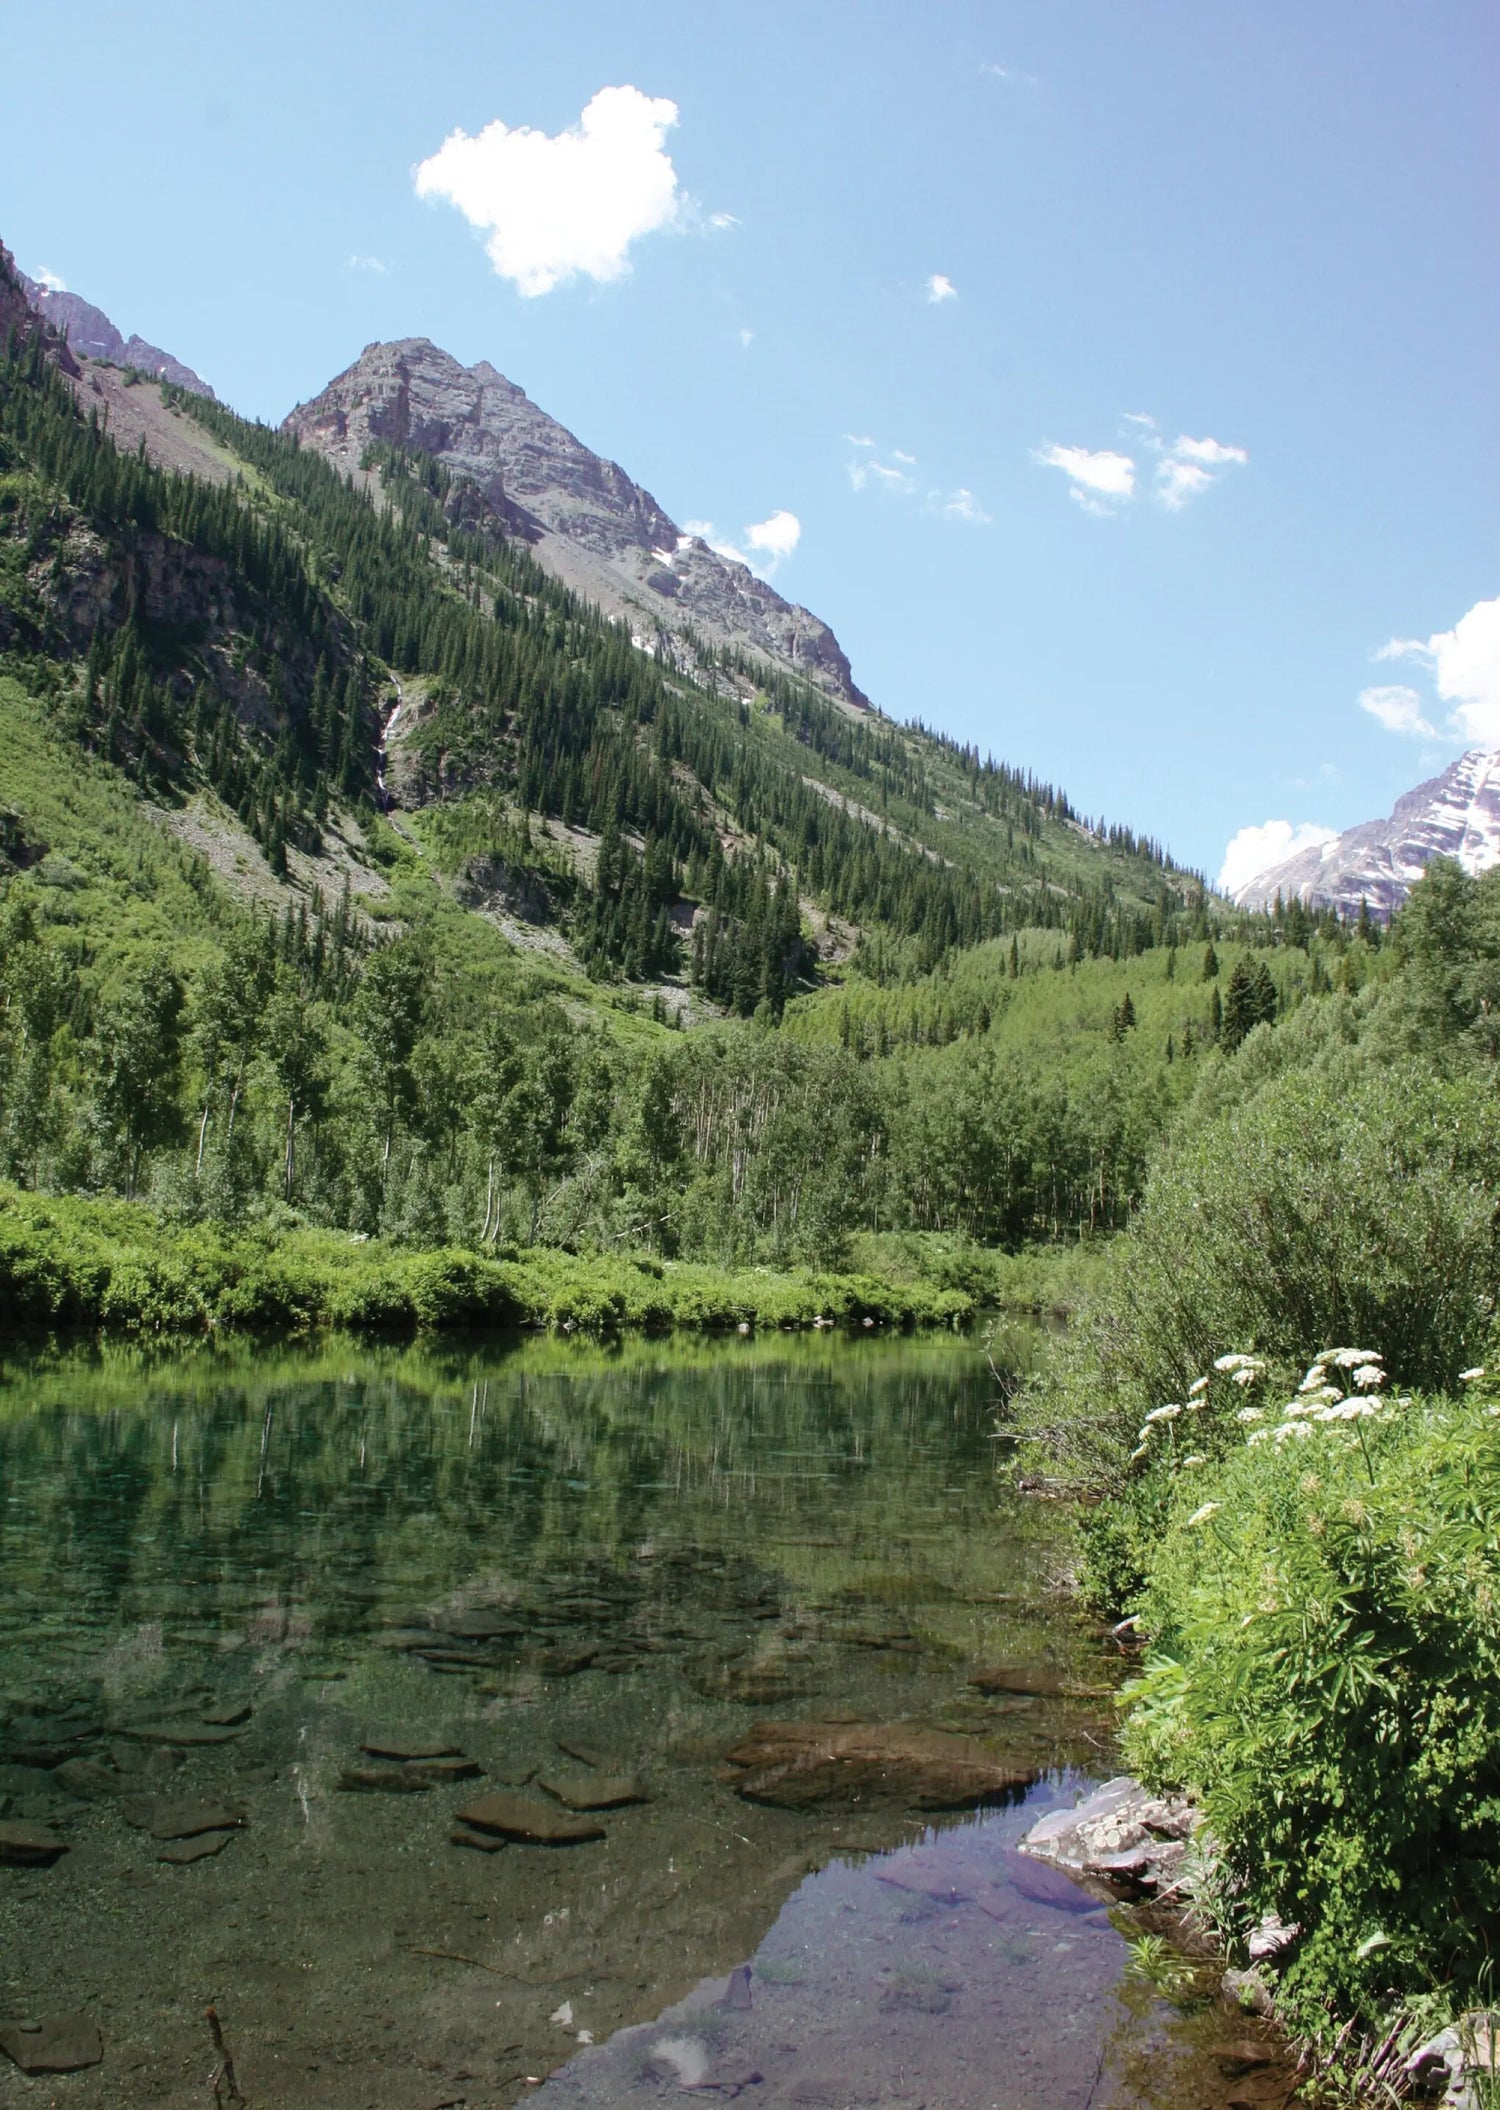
[588, 523]
[90, 334]
[1453, 815]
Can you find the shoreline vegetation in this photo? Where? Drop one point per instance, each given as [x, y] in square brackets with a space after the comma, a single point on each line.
[118, 1266]
[1279, 1414]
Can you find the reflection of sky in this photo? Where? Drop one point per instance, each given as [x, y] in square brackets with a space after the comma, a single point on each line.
[950, 1972]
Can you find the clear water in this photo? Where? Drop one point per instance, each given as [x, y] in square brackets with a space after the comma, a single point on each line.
[563, 1564]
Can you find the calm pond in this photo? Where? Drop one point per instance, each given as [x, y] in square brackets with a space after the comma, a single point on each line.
[271, 1619]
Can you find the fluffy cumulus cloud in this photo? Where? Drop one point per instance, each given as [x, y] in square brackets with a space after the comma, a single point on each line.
[765, 546]
[1464, 666]
[1100, 481]
[49, 281]
[940, 289]
[368, 263]
[557, 207]
[1255, 850]
[1104, 481]
[1398, 709]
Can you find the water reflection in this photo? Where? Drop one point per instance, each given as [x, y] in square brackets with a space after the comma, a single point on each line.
[304, 1655]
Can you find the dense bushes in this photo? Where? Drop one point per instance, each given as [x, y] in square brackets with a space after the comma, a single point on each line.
[76, 1263]
[1342, 1203]
[1324, 1612]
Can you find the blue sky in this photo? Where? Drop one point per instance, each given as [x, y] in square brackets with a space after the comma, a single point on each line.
[1266, 229]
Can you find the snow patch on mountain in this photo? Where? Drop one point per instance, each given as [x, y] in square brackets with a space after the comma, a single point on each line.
[1453, 815]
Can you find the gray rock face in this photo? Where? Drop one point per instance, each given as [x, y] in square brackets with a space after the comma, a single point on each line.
[90, 333]
[1454, 815]
[587, 522]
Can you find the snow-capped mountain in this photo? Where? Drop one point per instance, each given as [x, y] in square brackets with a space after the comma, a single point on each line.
[1455, 815]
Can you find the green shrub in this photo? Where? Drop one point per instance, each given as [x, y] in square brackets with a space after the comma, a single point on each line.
[1344, 1204]
[1324, 1616]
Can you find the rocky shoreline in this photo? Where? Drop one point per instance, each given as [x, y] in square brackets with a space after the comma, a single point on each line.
[1125, 1845]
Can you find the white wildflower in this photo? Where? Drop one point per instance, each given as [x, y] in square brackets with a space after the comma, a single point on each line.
[1350, 1358]
[1493, 1412]
[1467, 1377]
[1168, 1413]
[1199, 1385]
[1291, 1428]
[1238, 1362]
[1300, 1409]
[1139, 1453]
[1348, 1410]
[1251, 1414]
[1247, 1376]
[1201, 1516]
[1260, 1435]
[1316, 1377]
[1369, 1374]
[1196, 1459]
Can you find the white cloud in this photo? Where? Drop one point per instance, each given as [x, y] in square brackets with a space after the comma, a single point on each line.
[1007, 73]
[368, 263]
[1398, 709]
[553, 207]
[855, 440]
[1254, 850]
[1099, 481]
[775, 538]
[1465, 667]
[723, 220]
[747, 337]
[1190, 467]
[1140, 426]
[49, 281]
[940, 288]
[767, 541]
[867, 472]
[958, 505]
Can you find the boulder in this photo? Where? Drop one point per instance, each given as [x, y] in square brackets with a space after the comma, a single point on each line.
[814, 1765]
[1120, 1839]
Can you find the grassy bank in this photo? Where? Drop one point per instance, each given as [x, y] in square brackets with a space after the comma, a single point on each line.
[71, 1263]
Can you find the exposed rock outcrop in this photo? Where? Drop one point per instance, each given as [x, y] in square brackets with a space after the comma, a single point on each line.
[89, 333]
[1379, 862]
[587, 522]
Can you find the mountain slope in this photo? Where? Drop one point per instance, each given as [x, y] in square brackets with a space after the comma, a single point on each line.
[89, 333]
[1453, 815]
[587, 523]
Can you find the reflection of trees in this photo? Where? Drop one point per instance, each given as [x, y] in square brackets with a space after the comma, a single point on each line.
[342, 1477]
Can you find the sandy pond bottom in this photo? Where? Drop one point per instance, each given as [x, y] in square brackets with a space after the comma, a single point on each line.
[270, 1622]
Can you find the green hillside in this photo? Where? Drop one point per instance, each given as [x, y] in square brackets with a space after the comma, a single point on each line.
[258, 966]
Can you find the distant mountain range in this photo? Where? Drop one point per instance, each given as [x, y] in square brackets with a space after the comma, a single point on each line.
[91, 334]
[1454, 815]
[587, 522]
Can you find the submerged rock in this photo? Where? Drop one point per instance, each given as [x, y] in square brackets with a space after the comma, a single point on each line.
[521, 1817]
[406, 1744]
[52, 2044]
[186, 1820]
[179, 1852]
[186, 1734]
[593, 1791]
[811, 1765]
[29, 1845]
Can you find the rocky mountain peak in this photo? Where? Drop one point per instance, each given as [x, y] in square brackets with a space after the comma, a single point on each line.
[90, 334]
[1453, 815]
[588, 523]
